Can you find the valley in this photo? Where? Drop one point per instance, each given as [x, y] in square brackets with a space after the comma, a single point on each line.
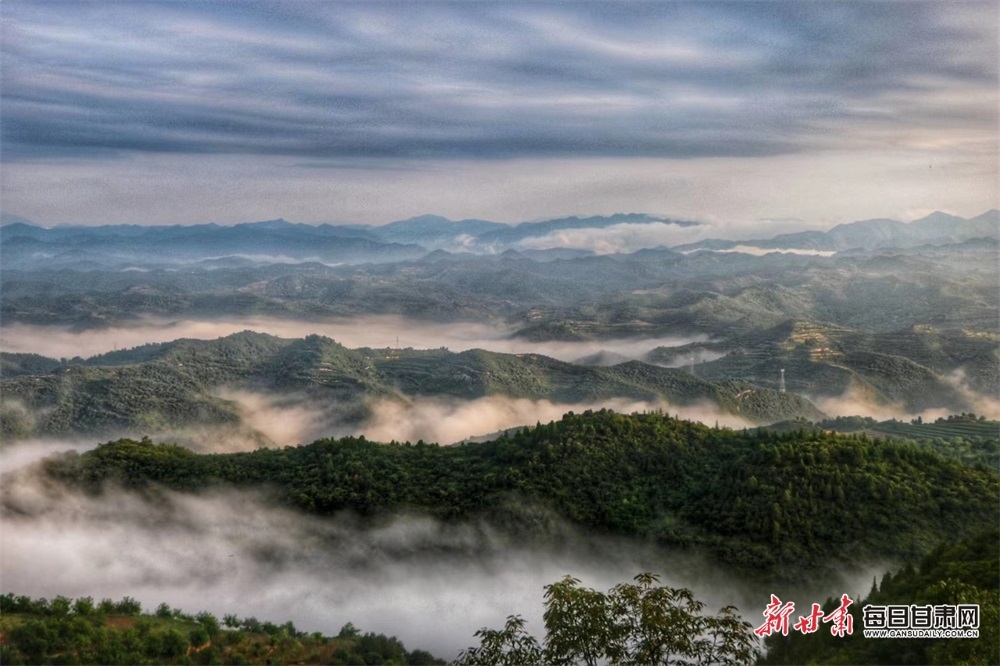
[499, 334]
[420, 425]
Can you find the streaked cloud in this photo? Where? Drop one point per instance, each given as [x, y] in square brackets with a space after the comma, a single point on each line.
[390, 87]
[333, 80]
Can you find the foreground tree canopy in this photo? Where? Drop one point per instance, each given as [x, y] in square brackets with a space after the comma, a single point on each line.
[633, 623]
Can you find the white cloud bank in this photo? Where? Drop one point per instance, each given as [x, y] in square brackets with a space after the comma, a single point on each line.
[376, 331]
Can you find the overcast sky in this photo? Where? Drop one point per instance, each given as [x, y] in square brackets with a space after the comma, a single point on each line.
[732, 113]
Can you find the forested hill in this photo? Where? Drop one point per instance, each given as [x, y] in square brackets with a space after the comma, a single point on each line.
[82, 631]
[176, 384]
[775, 504]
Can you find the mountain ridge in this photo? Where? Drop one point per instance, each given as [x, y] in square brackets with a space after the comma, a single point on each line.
[408, 238]
[938, 228]
[179, 383]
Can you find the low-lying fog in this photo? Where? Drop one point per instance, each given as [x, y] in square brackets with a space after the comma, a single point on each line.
[376, 331]
[287, 421]
[763, 251]
[292, 419]
[618, 238]
[429, 583]
[853, 402]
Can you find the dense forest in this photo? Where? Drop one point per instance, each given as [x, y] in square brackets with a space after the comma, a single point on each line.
[965, 437]
[774, 505]
[82, 631]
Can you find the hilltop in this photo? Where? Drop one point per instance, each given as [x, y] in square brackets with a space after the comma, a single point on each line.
[781, 505]
[175, 384]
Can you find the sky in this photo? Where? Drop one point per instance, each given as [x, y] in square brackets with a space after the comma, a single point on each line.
[746, 114]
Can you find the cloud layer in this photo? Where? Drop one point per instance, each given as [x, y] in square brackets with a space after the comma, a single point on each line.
[375, 331]
[432, 584]
[341, 81]
[376, 111]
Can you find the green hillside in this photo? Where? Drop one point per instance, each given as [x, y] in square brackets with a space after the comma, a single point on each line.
[12, 365]
[177, 384]
[966, 427]
[769, 504]
[80, 631]
[915, 367]
[968, 438]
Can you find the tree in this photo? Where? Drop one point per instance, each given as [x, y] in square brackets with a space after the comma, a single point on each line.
[32, 638]
[348, 631]
[128, 606]
[633, 623]
[174, 644]
[60, 606]
[209, 622]
[511, 646]
[198, 637]
[83, 606]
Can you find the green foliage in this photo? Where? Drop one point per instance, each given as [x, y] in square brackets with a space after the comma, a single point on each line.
[83, 606]
[12, 364]
[770, 504]
[966, 437]
[208, 622]
[348, 631]
[66, 631]
[173, 644]
[912, 366]
[848, 423]
[633, 623]
[512, 646]
[198, 637]
[170, 385]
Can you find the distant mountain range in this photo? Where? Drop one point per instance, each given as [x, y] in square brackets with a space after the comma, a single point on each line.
[935, 229]
[904, 314]
[25, 246]
[275, 241]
